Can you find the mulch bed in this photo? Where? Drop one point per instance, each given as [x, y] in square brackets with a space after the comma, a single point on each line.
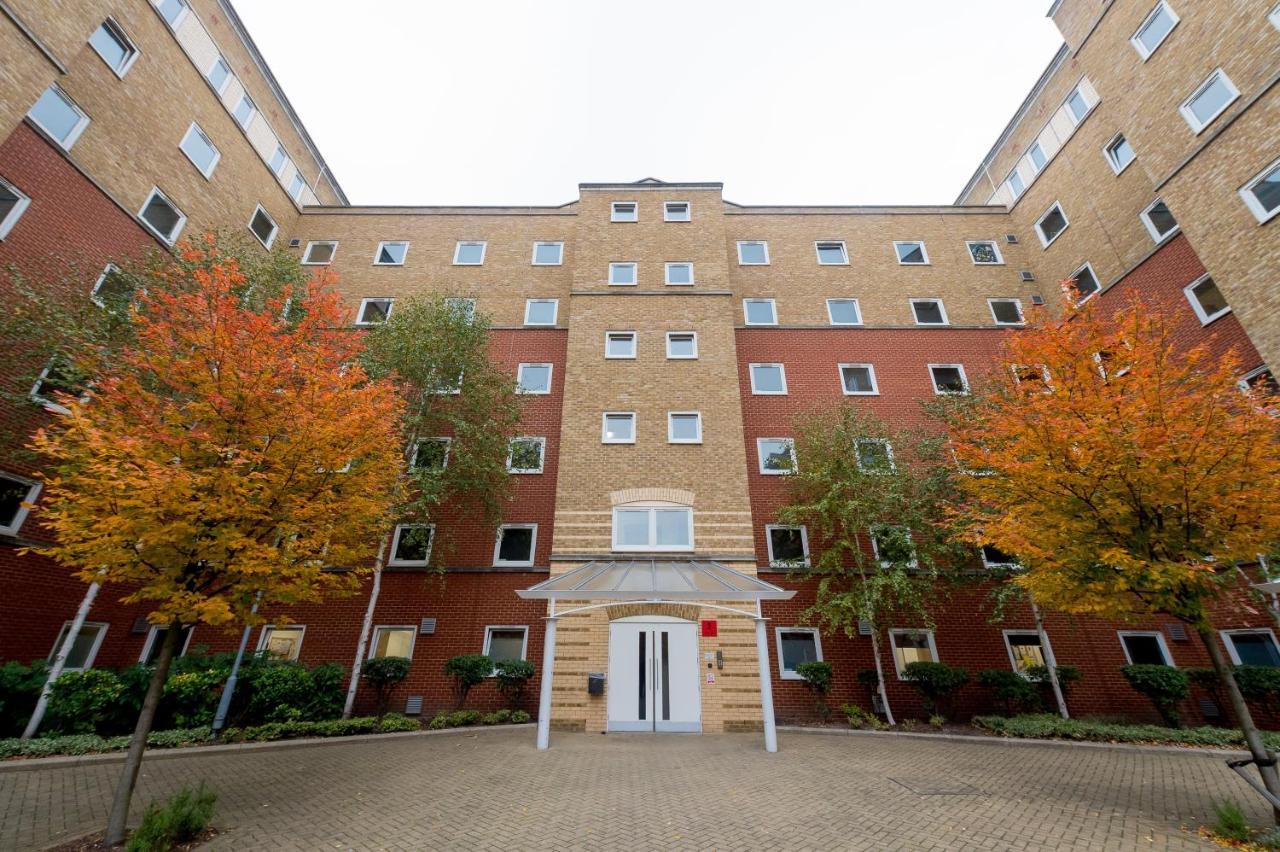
[93, 843]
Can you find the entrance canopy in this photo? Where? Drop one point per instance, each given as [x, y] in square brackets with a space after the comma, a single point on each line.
[656, 579]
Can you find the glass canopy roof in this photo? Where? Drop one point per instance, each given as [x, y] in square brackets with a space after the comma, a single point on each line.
[654, 579]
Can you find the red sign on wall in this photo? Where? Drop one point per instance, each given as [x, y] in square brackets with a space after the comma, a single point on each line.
[710, 627]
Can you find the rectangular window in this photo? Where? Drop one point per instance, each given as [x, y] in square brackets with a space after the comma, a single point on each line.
[244, 111]
[162, 216]
[297, 186]
[14, 493]
[858, 380]
[759, 312]
[541, 311]
[13, 203]
[753, 253]
[777, 456]
[173, 11]
[469, 253]
[929, 312]
[1206, 300]
[391, 253]
[624, 211]
[114, 47]
[1032, 377]
[1086, 282]
[788, 546]
[155, 640]
[984, 252]
[1261, 195]
[1024, 650]
[278, 161]
[680, 273]
[392, 642]
[844, 312]
[675, 211]
[533, 379]
[516, 544]
[58, 377]
[1153, 30]
[622, 274]
[1016, 185]
[893, 545]
[112, 289]
[912, 646]
[652, 528]
[911, 253]
[431, 454]
[374, 311]
[1158, 221]
[1006, 311]
[618, 427]
[1038, 159]
[1077, 106]
[57, 115]
[768, 379]
[200, 150]
[1144, 648]
[948, 378]
[525, 455]
[874, 455]
[505, 643]
[1119, 153]
[684, 427]
[85, 647]
[1252, 647]
[319, 253]
[1210, 99]
[282, 643]
[620, 344]
[832, 253]
[463, 308]
[996, 559]
[263, 227]
[796, 645]
[548, 254]
[411, 545]
[682, 345]
[1051, 224]
[219, 76]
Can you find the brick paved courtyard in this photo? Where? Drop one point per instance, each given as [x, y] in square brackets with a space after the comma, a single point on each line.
[493, 790]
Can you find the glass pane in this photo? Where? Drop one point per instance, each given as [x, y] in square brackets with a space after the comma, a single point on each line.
[684, 427]
[619, 427]
[393, 642]
[767, 378]
[542, 313]
[983, 253]
[283, 643]
[171, 9]
[843, 311]
[1154, 32]
[1161, 219]
[526, 455]
[831, 253]
[516, 545]
[760, 312]
[506, 645]
[775, 454]
[375, 311]
[1077, 105]
[911, 252]
[928, 313]
[680, 346]
[12, 493]
[873, 456]
[1052, 224]
[535, 377]
[857, 379]
[680, 273]
[1267, 191]
[55, 114]
[1121, 152]
[673, 527]
[244, 110]
[109, 46]
[196, 146]
[620, 346]
[1026, 651]
[1006, 311]
[948, 379]
[1206, 293]
[161, 215]
[1256, 649]
[798, 647]
[1086, 282]
[911, 648]
[993, 555]
[78, 657]
[893, 546]
[320, 253]
[787, 544]
[547, 253]
[1145, 650]
[392, 253]
[470, 253]
[413, 545]
[1211, 100]
[622, 273]
[751, 252]
[632, 526]
[1037, 156]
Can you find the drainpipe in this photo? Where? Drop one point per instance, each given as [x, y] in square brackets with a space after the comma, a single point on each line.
[766, 684]
[548, 674]
[229, 688]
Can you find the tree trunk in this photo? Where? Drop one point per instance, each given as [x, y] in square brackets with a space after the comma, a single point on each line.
[1253, 739]
[1050, 661]
[884, 695]
[60, 661]
[133, 759]
[365, 628]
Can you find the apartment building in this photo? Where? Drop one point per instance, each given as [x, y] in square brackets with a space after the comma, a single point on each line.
[663, 339]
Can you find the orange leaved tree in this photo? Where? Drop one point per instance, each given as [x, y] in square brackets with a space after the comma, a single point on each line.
[233, 449]
[1129, 475]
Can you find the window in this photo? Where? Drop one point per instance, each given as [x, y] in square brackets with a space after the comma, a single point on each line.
[200, 150]
[832, 253]
[244, 111]
[392, 642]
[1006, 311]
[505, 643]
[1051, 224]
[1261, 380]
[759, 312]
[83, 649]
[548, 254]
[675, 211]
[374, 311]
[652, 528]
[1038, 159]
[624, 211]
[155, 640]
[984, 252]
[57, 115]
[1158, 220]
[111, 289]
[844, 312]
[680, 273]
[618, 427]
[278, 161]
[173, 11]
[874, 455]
[1119, 153]
[1016, 184]
[319, 253]
[623, 274]
[533, 378]
[929, 311]
[753, 253]
[263, 227]
[1031, 377]
[1206, 300]
[1155, 28]
[892, 545]
[620, 344]
[1144, 648]
[1252, 647]
[1077, 106]
[14, 492]
[684, 427]
[995, 558]
[797, 645]
[411, 546]
[1275, 17]
[297, 186]
[777, 456]
[163, 217]
[682, 345]
[13, 204]
[767, 379]
[219, 76]
[912, 646]
[464, 308]
[515, 545]
[469, 253]
[114, 47]
[282, 643]
[1024, 650]
[525, 455]
[541, 311]
[858, 380]
[1086, 282]
[1209, 100]
[911, 252]
[431, 454]
[1261, 195]
[58, 377]
[788, 546]
[391, 253]
[948, 378]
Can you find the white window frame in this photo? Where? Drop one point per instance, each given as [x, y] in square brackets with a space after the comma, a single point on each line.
[1145, 216]
[533, 259]
[555, 312]
[306, 252]
[457, 251]
[1066, 223]
[268, 629]
[942, 309]
[621, 264]
[924, 252]
[517, 563]
[888, 447]
[934, 381]
[1037, 168]
[666, 212]
[378, 251]
[217, 155]
[1246, 192]
[220, 88]
[871, 372]
[97, 285]
[1076, 274]
[782, 371]
[488, 633]
[177, 229]
[391, 305]
[151, 639]
[1228, 639]
[1077, 120]
[275, 228]
[131, 50]
[1143, 51]
[604, 427]
[804, 545]
[635, 347]
[1015, 191]
[844, 252]
[1193, 122]
[393, 562]
[41, 399]
[763, 243]
[746, 315]
[791, 446]
[982, 554]
[790, 674]
[249, 116]
[33, 493]
[1017, 303]
[78, 128]
[542, 454]
[551, 370]
[1109, 156]
[1043, 639]
[671, 437]
[379, 628]
[619, 215]
[1164, 647]
[999, 261]
[93, 649]
[280, 152]
[434, 439]
[184, 9]
[1244, 382]
[1205, 318]
[857, 309]
[11, 219]
[297, 186]
[667, 274]
[653, 546]
[893, 648]
[692, 334]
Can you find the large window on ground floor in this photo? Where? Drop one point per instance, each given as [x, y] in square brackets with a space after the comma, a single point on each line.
[83, 649]
[1145, 648]
[912, 646]
[797, 645]
[1024, 648]
[1252, 647]
[155, 640]
[282, 643]
[656, 527]
[506, 642]
[392, 641]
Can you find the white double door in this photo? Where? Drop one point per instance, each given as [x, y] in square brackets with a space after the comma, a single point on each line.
[653, 676]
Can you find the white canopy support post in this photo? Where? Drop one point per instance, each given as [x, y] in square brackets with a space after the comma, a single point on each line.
[60, 661]
[548, 674]
[766, 686]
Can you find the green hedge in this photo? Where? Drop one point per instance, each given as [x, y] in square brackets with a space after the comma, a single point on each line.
[1048, 726]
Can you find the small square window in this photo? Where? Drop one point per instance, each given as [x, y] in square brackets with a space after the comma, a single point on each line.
[1144, 648]
[912, 646]
[431, 454]
[984, 252]
[57, 115]
[525, 455]
[173, 11]
[929, 311]
[797, 645]
[541, 311]
[1006, 311]
[622, 274]
[620, 344]
[675, 211]
[1024, 650]
[13, 203]
[1155, 28]
[469, 253]
[832, 253]
[374, 311]
[1051, 224]
[163, 218]
[682, 345]
[392, 642]
[1209, 100]
[788, 546]
[219, 75]
[624, 211]
[1032, 377]
[948, 378]
[297, 187]
[516, 544]
[684, 427]
[1261, 195]
[282, 643]
[114, 47]
[245, 111]
[911, 252]
[618, 427]
[994, 557]
[278, 161]
[1036, 154]
[844, 312]
[753, 253]
[319, 253]
[462, 308]
[1252, 647]
[200, 150]
[14, 493]
[391, 253]
[411, 545]
[1016, 184]
[1206, 300]
[874, 455]
[58, 377]
[680, 273]
[777, 456]
[768, 379]
[1077, 106]
[858, 380]
[1119, 153]
[112, 289]
[1085, 282]
[263, 227]
[1158, 221]
[759, 312]
[533, 379]
[548, 254]
[504, 644]
[83, 649]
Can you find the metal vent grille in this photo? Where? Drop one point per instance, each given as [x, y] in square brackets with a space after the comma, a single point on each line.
[427, 627]
[1209, 708]
[864, 627]
[1011, 238]
[1028, 275]
[141, 625]
[294, 243]
[1037, 300]
[413, 705]
[1177, 632]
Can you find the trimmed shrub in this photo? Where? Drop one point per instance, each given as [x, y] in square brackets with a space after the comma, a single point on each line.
[1259, 683]
[1164, 685]
[85, 702]
[859, 718]
[1051, 726]
[937, 682]
[500, 717]
[19, 689]
[383, 674]
[191, 698]
[1067, 675]
[467, 671]
[513, 676]
[180, 820]
[520, 717]
[1017, 692]
[817, 678]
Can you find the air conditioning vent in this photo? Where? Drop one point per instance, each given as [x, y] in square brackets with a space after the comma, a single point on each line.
[1209, 709]
[1177, 632]
[1012, 239]
[1027, 275]
[413, 705]
[427, 627]
[1037, 300]
[140, 625]
[294, 243]
[864, 627]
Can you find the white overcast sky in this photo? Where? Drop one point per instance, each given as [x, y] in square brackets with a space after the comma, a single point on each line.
[786, 101]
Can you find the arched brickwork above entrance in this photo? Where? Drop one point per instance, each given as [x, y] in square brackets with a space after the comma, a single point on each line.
[687, 612]
[651, 495]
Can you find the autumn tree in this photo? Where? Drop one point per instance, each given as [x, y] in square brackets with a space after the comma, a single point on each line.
[229, 447]
[1130, 476]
